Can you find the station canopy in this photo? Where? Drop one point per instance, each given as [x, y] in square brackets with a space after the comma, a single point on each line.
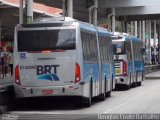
[9, 15]
[129, 10]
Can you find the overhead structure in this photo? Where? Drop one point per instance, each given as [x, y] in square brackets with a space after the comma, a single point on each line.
[140, 9]
[29, 7]
[135, 11]
[12, 11]
[93, 11]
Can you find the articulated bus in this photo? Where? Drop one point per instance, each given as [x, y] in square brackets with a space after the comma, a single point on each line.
[63, 58]
[128, 57]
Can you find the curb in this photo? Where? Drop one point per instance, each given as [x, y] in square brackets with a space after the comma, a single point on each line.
[152, 77]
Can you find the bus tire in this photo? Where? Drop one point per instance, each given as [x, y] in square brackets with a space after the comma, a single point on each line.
[139, 83]
[135, 83]
[108, 94]
[88, 101]
[111, 84]
[77, 102]
[127, 87]
[102, 96]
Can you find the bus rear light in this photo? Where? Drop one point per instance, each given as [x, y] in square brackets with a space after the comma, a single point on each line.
[46, 51]
[17, 77]
[77, 73]
[124, 68]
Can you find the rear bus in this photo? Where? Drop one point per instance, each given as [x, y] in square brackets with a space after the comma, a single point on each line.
[121, 60]
[45, 60]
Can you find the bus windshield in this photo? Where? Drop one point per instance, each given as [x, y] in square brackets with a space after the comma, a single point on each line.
[118, 48]
[39, 40]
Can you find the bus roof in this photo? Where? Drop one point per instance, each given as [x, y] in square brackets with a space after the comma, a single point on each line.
[124, 37]
[92, 28]
[65, 21]
[53, 19]
[88, 27]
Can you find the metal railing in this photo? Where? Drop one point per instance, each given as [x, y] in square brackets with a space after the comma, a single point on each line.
[151, 68]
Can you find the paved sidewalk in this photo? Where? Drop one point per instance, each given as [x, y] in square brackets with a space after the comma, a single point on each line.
[154, 75]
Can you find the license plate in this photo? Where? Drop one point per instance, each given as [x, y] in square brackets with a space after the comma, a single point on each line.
[118, 71]
[47, 92]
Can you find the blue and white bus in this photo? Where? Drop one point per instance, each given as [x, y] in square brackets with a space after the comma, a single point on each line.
[128, 57]
[63, 58]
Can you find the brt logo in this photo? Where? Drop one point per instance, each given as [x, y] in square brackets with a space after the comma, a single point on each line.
[46, 69]
[47, 72]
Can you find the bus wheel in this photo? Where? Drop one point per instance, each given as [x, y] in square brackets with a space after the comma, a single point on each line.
[77, 102]
[88, 101]
[135, 83]
[139, 83]
[102, 96]
[108, 94]
[127, 87]
[112, 88]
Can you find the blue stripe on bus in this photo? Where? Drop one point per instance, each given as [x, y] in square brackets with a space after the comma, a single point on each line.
[127, 38]
[87, 28]
[92, 71]
[104, 32]
[139, 66]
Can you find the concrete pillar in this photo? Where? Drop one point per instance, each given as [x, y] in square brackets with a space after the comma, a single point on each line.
[125, 27]
[131, 27]
[149, 41]
[158, 44]
[64, 7]
[70, 8]
[148, 44]
[0, 34]
[155, 38]
[95, 11]
[140, 30]
[135, 28]
[143, 31]
[90, 15]
[20, 11]
[143, 39]
[113, 19]
[146, 41]
[109, 22]
[29, 11]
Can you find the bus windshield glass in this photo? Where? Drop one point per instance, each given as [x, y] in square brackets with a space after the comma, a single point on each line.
[39, 40]
[118, 48]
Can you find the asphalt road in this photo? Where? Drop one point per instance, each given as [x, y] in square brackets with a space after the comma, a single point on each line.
[144, 99]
